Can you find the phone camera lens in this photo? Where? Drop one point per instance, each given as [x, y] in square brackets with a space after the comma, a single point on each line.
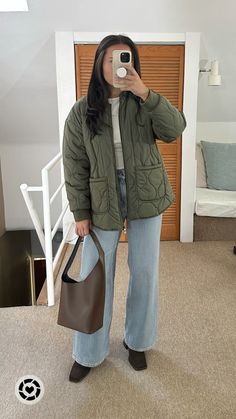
[124, 57]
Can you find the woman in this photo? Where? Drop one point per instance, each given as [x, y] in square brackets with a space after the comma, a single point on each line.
[113, 170]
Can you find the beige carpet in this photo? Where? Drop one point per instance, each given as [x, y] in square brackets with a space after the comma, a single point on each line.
[191, 370]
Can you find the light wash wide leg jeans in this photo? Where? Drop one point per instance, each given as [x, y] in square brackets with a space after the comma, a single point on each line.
[140, 331]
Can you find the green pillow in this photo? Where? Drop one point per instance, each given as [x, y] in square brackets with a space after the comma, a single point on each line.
[220, 163]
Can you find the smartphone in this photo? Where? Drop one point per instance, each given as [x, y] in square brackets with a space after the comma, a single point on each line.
[120, 57]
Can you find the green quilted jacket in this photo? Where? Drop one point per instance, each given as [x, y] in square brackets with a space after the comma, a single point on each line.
[90, 168]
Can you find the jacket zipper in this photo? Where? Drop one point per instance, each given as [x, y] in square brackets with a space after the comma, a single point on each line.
[116, 176]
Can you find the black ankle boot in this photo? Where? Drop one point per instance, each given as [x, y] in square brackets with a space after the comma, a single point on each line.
[78, 372]
[136, 359]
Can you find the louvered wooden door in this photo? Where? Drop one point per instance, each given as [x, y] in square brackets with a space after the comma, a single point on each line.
[162, 69]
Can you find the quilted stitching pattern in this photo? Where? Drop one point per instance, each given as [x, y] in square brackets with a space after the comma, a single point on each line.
[89, 164]
[150, 184]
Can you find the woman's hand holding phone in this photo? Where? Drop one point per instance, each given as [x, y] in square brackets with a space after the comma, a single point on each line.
[133, 83]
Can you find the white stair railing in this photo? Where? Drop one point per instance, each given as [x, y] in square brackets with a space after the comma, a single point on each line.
[46, 236]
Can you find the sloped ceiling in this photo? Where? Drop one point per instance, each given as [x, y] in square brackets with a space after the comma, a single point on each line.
[28, 98]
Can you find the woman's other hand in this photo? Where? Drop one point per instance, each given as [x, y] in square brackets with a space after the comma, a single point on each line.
[82, 227]
[133, 83]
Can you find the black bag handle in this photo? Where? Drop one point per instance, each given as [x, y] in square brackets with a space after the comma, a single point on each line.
[73, 254]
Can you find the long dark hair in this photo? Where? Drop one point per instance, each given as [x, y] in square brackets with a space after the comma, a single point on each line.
[98, 90]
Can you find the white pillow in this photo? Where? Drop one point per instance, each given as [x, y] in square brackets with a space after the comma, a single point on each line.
[201, 171]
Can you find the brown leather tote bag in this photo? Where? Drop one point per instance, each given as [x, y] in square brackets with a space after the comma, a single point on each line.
[81, 304]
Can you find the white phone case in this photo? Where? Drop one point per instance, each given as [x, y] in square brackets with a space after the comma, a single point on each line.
[117, 64]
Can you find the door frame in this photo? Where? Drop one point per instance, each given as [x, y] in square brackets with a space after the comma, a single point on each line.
[66, 96]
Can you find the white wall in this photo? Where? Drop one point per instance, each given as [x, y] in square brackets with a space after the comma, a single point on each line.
[22, 164]
[219, 131]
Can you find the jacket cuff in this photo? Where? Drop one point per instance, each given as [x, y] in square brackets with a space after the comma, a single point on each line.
[83, 214]
[151, 102]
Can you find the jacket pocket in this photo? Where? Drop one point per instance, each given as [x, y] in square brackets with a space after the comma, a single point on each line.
[150, 182]
[99, 194]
